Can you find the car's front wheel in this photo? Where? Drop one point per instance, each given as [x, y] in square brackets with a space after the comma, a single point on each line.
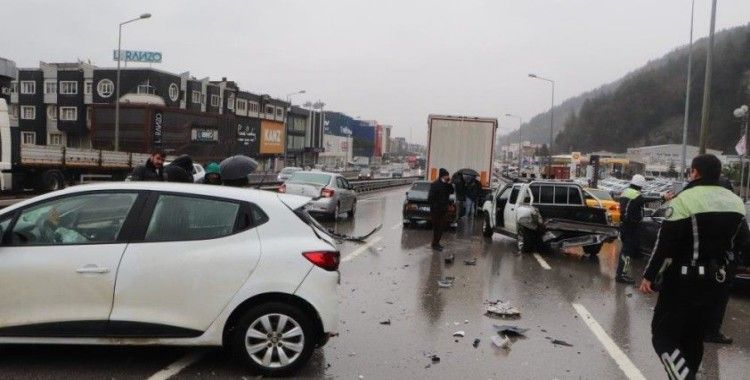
[273, 339]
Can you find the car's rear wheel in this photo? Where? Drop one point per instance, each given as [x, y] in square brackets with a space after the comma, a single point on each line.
[273, 339]
[487, 227]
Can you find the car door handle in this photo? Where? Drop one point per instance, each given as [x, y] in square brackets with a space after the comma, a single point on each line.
[92, 269]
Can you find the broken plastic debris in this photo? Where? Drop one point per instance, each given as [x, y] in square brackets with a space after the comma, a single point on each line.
[449, 259]
[500, 342]
[476, 343]
[471, 262]
[503, 310]
[561, 343]
[513, 331]
[386, 322]
[445, 284]
[459, 334]
[435, 358]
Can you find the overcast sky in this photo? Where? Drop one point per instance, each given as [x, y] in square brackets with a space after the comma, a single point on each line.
[395, 61]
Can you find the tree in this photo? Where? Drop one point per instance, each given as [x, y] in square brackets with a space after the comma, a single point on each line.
[672, 171]
[544, 151]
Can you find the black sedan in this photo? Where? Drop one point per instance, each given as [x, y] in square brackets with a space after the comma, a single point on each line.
[417, 209]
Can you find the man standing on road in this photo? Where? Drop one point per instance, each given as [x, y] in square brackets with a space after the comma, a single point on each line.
[631, 205]
[439, 198]
[151, 170]
[473, 192]
[705, 226]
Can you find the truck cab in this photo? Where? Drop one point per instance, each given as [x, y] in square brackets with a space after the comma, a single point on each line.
[546, 213]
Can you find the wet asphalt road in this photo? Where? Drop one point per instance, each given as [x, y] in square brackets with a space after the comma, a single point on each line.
[395, 278]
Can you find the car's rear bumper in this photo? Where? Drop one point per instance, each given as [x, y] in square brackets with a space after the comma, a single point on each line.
[424, 214]
[322, 206]
[320, 289]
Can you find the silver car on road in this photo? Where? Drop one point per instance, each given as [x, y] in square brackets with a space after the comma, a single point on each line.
[332, 194]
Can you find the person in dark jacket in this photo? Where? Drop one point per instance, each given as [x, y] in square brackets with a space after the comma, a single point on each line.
[705, 226]
[180, 170]
[457, 180]
[152, 170]
[439, 199]
[473, 193]
[631, 206]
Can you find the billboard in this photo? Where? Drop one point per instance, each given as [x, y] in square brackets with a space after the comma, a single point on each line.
[272, 137]
[137, 56]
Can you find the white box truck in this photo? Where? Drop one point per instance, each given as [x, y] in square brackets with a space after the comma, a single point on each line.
[461, 142]
[47, 168]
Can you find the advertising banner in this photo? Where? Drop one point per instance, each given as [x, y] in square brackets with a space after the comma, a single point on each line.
[272, 137]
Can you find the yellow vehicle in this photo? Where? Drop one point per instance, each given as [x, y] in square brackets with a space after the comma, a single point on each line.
[599, 198]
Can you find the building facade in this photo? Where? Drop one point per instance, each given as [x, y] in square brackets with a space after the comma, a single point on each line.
[72, 105]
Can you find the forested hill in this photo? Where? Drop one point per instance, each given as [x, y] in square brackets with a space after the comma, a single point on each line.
[646, 107]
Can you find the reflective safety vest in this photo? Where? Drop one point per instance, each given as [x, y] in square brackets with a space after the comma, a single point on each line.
[631, 206]
[704, 224]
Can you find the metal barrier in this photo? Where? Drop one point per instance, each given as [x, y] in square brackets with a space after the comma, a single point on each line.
[362, 186]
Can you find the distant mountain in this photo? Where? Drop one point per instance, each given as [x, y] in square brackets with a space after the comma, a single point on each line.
[646, 107]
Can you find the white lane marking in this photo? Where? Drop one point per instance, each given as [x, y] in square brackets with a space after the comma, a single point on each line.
[176, 367]
[361, 249]
[622, 360]
[542, 262]
[397, 225]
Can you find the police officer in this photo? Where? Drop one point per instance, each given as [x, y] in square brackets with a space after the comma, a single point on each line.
[705, 224]
[631, 206]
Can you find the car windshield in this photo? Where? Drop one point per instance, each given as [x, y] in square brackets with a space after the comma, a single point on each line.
[310, 178]
[290, 170]
[603, 195]
[421, 186]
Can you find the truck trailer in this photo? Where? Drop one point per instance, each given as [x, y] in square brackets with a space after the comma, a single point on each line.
[461, 142]
[45, 167]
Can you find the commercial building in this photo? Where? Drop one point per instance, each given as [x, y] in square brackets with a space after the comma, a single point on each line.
[7, 75]
[659, 158]
[72, 105]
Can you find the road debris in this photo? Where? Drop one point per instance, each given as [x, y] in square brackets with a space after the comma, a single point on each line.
[449, 259]
[501, 342]
[476, 343]
[559, 342]
[471, 262]
[435, 358]
[445, 284]
[502, 310]
[511, 331]
[386, 322]
[459, 334]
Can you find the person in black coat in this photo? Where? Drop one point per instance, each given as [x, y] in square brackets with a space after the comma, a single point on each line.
[180, 170]
[439, 199]
[152, 170]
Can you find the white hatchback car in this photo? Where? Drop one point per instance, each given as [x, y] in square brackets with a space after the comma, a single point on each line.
[172, 264]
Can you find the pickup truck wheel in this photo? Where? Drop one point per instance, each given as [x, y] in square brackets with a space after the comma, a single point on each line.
[487, 227]
[592, 249]
[525, 240]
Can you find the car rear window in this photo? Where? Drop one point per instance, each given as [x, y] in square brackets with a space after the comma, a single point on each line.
[312, 178]
[421, 186]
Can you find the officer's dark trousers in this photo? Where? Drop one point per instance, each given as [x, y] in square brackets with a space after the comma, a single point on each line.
[679, 324]
[716, 316]
[439, 220]
[631, 245]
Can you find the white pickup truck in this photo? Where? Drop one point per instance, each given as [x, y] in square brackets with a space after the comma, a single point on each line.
[545, 214]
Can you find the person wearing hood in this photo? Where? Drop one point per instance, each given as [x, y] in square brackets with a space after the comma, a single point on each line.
[213, 174]
[180, 170]
[631, 206]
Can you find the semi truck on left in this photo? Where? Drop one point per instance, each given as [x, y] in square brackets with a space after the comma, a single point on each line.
[27, 167]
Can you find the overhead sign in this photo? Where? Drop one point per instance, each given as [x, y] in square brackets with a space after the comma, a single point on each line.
[138, 56]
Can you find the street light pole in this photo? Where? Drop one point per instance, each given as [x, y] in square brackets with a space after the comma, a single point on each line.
[286, 122]
[687, 95]
[705, 113]
[119, 58]
[551, 121]
[520, 141]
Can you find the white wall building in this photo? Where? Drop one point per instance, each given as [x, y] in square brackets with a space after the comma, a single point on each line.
[663, 155]
[338, 150]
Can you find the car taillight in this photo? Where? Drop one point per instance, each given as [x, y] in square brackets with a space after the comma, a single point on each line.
[614, 208]
[328, 260]
[282, 188]
[327, 192]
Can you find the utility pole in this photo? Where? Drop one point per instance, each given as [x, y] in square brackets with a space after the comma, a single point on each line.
[705, 113]
[687, 96]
